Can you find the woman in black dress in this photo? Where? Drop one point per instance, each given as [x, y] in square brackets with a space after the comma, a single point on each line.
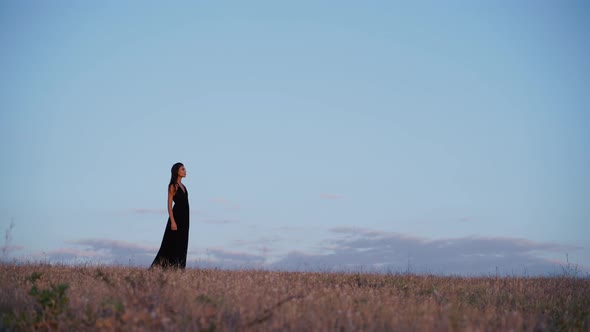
[174, 246]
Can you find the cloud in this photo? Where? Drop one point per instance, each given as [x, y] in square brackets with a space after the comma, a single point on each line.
[359, 248]
[351, 249]
[242, 242]
[10, 248]
[465, 219]
[225, 203]
[235, 256]
[149, 211]
[289, 229]
[116, 247]
[75, 253]
[219, 221]
[143, 211]
[259, 241]
[101, 251]
[357, 231]
[331, 196]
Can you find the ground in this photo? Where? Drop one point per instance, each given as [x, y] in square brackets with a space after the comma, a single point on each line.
[110, 298]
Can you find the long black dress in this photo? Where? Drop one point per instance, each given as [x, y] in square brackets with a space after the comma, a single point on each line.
[174, 246]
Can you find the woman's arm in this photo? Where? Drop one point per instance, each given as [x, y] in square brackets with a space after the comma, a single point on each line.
[171, 192]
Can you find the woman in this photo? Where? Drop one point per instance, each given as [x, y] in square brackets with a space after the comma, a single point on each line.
[174, 246]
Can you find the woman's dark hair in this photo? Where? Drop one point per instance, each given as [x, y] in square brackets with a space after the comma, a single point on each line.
[174, 175]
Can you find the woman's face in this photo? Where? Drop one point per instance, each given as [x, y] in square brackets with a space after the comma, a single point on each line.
[182, 171]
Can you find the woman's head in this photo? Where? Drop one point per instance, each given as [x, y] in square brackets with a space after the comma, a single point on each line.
[177, 171]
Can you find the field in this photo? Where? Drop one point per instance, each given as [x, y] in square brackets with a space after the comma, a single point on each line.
[108, 298]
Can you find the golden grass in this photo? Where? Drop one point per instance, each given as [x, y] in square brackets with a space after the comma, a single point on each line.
[107, 298]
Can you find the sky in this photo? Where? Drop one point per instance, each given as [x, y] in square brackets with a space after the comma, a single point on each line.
[421, 136]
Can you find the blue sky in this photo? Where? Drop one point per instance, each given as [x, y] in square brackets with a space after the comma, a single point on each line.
[338, 134]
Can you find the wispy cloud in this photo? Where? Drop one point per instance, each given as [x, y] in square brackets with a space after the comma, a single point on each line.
[74, 253]
[117, 247]
[289, 229]
[360, 231]
[351, 249]
[10, 248]
[235, 256]
[465, 219]
[359, 248]
[242, 242]
[331, 196]
[101, 251]
[219, 221]
[142, 211]
[225, 203]
[259, 241]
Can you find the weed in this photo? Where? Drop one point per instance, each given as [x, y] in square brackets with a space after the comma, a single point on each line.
[42, 297]
[52, 301]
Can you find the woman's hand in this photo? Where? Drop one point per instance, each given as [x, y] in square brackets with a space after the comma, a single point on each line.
[171, 193]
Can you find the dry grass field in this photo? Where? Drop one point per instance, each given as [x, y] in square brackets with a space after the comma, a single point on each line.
[107, 298]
